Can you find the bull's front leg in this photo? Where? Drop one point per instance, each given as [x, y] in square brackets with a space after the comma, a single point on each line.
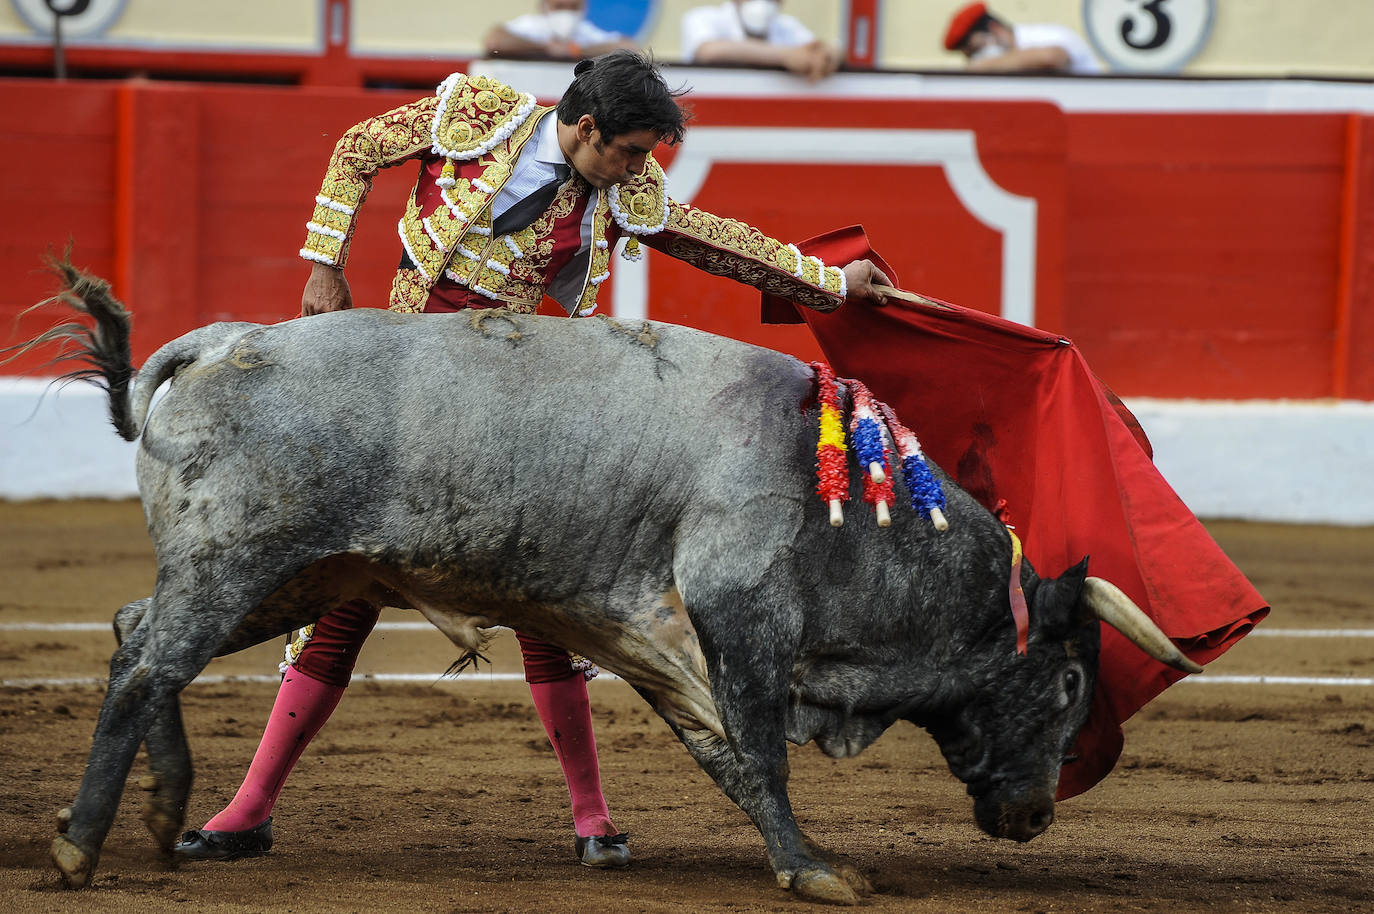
[750, 766]
[759, 788]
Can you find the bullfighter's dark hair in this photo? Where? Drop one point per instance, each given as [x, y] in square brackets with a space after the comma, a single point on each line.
[624, 91]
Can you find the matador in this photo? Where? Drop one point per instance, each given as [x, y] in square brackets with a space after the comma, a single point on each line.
[514, 202]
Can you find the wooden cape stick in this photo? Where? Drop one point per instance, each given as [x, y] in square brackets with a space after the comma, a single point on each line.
[912, 297]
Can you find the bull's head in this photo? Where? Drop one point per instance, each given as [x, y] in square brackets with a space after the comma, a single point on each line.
[1012, 721]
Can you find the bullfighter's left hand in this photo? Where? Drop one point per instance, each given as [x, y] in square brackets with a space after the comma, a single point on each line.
[860, 277]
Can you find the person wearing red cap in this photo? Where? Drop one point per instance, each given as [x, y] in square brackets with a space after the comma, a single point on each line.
[993, 46]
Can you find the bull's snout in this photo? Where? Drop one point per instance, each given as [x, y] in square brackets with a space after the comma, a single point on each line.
[1016, 821]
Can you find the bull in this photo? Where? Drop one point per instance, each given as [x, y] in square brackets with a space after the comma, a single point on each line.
[639, 493]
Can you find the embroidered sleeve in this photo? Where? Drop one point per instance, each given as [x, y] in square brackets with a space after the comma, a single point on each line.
[377, 143]
[728, 247]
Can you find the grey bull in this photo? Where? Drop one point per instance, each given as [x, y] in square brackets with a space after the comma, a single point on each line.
[640, 493]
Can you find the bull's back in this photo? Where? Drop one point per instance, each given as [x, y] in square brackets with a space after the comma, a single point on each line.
[445, 431]
[358, 358]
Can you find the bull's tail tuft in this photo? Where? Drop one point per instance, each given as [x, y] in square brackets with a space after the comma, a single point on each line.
[472, 659]
[104, 347]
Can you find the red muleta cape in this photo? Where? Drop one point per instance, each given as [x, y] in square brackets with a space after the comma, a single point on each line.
[1016, 416]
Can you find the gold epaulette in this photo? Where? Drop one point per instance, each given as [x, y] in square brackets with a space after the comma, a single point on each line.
[475, 115]
[640, 206]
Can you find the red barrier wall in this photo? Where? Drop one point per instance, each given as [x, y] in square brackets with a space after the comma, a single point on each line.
[1189, 255]
[912, 215]
[1203, 251]
[191, 199]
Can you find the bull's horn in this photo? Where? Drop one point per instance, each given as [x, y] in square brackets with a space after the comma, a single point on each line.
[1119, 611]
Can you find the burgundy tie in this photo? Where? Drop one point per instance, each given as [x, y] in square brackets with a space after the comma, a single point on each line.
[526, 210]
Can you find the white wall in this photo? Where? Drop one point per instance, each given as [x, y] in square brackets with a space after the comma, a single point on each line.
[1300, 462]
[1289, 461]
[57, 442]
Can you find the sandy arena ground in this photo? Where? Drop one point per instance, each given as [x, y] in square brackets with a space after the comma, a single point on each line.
[445, 796]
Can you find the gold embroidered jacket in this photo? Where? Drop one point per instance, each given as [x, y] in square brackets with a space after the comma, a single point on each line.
[476, 127]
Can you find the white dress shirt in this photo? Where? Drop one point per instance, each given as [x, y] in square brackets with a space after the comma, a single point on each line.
[1050, 35]
[534, 27]
[721, 23]
[534, 167]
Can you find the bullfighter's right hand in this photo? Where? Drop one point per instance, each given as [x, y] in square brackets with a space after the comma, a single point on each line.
[325, 290]
[864, 282]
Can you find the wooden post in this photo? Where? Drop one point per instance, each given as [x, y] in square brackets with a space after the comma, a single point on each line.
[335, 65]
[861, 34]
[1353, 330]
[157, 190]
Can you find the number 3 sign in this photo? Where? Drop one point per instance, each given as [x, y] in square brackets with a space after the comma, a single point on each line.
[80, 18]
[1148, 36]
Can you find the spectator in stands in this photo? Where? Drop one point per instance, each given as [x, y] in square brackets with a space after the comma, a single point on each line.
[755, 33]
[993, 46]
[559, 31]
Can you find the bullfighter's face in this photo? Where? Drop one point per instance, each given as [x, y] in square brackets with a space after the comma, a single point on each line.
[607, 162]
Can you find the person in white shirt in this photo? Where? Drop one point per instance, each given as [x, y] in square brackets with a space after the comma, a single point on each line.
[559, 31]
[993, 46]
[755, 33]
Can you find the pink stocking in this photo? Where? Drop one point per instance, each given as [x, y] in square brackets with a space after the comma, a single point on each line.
[303, 705]
[567, 717]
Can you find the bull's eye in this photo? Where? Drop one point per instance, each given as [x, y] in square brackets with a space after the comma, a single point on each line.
[1073, 682]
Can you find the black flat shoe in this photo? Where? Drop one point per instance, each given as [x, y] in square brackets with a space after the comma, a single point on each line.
[603, 851]
[204, 844]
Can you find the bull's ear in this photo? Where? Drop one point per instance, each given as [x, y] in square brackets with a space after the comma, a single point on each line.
[1082, 613]
[1056, 601]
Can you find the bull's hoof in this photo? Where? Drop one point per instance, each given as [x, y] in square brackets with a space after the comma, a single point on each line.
[75, 864]
[845, 869]
[64, 820]
[164, 823]
[164, 810]
[850, 874]
[824, 884]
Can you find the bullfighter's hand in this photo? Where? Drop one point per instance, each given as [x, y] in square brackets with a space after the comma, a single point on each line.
[325, 290]
[860, 277]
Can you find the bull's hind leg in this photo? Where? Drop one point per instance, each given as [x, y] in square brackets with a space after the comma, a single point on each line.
[169, 757]
[156, 660]
[168, 782]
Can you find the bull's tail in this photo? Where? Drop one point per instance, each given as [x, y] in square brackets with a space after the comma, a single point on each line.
[104, 347]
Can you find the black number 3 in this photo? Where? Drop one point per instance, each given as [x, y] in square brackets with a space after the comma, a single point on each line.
[68, 8]
[1163, 26]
